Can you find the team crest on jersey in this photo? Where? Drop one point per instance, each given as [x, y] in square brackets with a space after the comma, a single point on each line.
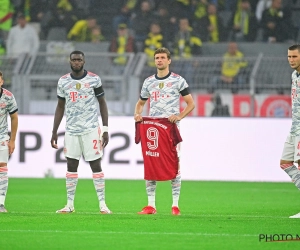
[161, 85]
[78, 86]
[169, 84]
[2, 105]
[87, 85]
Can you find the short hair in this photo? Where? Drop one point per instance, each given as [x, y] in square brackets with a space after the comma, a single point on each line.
[295, 47]
[1, 74]
[163, 50]
[76, 52]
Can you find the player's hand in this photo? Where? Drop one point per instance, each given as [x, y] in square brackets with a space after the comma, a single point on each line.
[174, 118]
[138, 118]
[105, 139]
[54, 140]
[11, 147]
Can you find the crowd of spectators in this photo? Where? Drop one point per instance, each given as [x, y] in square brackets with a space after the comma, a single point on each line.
[211, 20]
[145, 25]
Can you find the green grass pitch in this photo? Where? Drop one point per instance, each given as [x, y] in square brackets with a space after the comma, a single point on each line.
[215, 215]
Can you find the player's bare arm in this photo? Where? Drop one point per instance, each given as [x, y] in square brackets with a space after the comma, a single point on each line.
[139, 110]
[59, 113]
[104, 116]
[189, 107]
[14, 128]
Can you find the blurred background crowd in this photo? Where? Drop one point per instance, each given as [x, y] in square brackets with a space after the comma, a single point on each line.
[234, 31]
[181, 25]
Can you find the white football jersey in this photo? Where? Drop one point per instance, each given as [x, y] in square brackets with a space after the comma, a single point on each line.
[8, 105]
[295, 96]
[164, 94]
[81, 104]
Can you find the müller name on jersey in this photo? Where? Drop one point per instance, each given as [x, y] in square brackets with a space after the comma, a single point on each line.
[151, 153]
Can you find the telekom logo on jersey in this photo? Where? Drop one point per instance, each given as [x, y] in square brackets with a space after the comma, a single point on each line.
[156, 95]
[74, 96]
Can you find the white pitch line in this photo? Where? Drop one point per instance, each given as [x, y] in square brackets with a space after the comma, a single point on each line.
[135, 233]
[183, 215]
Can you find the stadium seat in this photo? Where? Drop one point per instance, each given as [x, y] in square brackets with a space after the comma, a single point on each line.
[57, 34]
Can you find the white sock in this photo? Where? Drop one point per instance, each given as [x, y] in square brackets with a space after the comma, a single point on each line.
[71, 184]
[293, 172]
[176, 186]
[150, 189]
[99, 183]
[3, 184]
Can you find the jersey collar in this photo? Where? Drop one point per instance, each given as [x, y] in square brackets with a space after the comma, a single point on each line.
[162, 78]
[78, 78]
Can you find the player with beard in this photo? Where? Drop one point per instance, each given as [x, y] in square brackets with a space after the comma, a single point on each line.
[164, 90]
[76, 92]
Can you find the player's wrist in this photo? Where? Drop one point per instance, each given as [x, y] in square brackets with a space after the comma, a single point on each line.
[105, 129]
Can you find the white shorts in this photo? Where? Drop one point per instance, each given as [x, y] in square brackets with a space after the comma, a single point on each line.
[4, 152]
[291, 150]
[88, 145]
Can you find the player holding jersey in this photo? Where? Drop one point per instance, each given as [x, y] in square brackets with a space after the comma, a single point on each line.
[8, 105]
[291, 150]
[76, 92]
[164, 90]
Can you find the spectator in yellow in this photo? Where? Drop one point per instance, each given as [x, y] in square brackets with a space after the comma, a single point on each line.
[86, 31]
[233, 75]
[200, 9]
[153, 41]
[243, 23]
[121, 44]
[233, 62]
[186, 43]
[6, 18]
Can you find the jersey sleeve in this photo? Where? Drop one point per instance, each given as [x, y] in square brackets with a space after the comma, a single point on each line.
[182, 84]
[60, 91]
[12, 105]
[145, 94]
[98, 82]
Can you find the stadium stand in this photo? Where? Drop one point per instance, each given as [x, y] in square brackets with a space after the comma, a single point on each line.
[267, 73]
[57, 34]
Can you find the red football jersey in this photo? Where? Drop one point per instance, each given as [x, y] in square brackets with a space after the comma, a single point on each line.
[159, 138]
